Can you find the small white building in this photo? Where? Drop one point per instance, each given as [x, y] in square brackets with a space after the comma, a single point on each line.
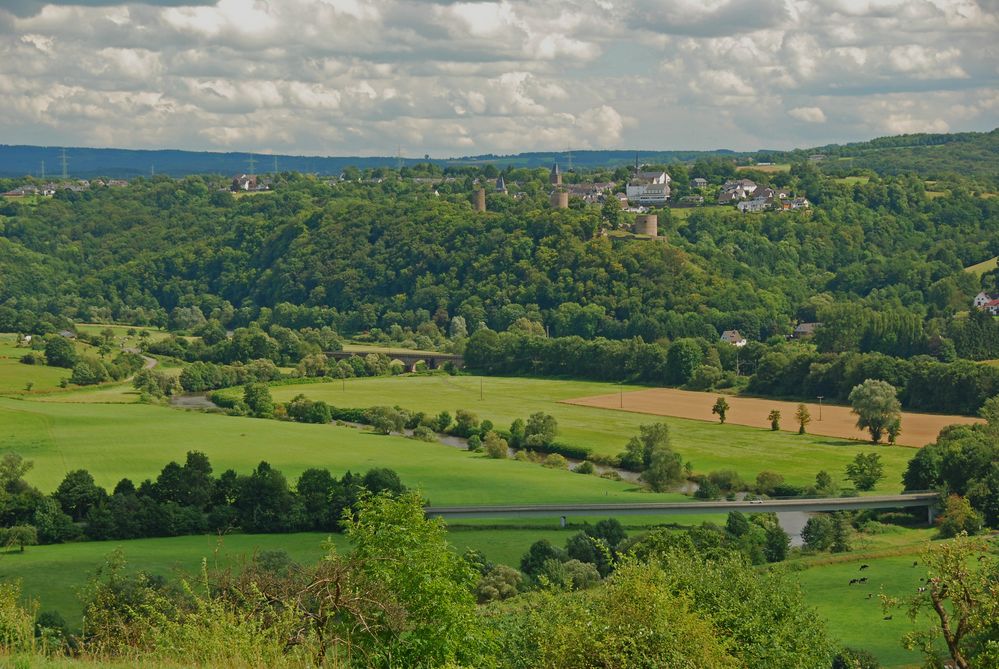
[734, 338]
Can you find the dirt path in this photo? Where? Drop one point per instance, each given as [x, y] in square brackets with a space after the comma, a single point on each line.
[918, 429]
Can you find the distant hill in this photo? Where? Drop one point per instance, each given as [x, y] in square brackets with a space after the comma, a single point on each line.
[932, 156]
[19, 161]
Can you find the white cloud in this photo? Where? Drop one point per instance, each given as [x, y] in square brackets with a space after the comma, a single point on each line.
[808, 114]
[450, 77]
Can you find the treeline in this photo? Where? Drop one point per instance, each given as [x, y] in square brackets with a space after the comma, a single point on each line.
[183, 499]
[784, 369]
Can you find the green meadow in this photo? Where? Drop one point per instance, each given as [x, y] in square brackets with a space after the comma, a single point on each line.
[709, 446]
[136, 441]
[853, 613]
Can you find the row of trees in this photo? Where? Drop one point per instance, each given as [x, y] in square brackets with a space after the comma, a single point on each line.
[184, 499]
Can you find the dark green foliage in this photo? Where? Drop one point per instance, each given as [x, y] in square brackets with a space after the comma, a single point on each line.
[59, 352]
[865, 471]
[851, 658]
[257, 397]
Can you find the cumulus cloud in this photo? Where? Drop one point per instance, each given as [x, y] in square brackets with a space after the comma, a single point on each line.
[808, 114]
[454, 77]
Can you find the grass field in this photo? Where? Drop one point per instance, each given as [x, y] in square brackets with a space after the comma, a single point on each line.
[710, 446]
[136, 441]
[853, 618]
[981, 268]
[850, 181]
[769, 169]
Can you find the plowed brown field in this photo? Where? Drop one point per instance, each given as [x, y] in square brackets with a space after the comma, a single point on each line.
[918, 429]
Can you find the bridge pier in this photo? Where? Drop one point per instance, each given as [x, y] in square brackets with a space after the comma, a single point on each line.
[931, 514]
[563, 522]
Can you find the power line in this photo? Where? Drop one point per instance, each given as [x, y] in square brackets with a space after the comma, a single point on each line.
[65, 165]
[252, 162]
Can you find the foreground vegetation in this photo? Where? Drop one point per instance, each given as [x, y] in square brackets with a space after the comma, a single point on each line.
[681, 601]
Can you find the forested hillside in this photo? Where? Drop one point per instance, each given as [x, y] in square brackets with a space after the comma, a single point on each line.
[363, 255]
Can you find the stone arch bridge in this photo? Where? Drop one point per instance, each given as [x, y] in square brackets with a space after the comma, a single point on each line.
[408, 358]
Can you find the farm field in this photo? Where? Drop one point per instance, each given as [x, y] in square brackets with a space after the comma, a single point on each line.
[918, 429]
[136, 441]
[981, 268]
[709, 446]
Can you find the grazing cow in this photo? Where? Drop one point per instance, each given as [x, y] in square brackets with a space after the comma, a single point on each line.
[854, 580]
[862, 580]
[887, 618]
[864, 566]
[923, 589]
[982, 557]
[914, 563]
[869, 595]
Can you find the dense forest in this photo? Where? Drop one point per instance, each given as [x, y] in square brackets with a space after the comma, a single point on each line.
[879, 261]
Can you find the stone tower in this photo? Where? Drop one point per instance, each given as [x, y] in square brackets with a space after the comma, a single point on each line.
[479, 199]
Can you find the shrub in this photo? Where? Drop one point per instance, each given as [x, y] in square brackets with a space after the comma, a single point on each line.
[555, 461]
[584, 467]
[424, 433]
[495, 446]
[475, 443]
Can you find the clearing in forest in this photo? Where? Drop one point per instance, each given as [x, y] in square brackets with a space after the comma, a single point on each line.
[918, 429]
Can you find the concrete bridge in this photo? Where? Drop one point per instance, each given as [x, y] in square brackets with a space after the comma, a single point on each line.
[929, 500]
[408, 358]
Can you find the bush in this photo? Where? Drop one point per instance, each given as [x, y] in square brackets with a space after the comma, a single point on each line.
[424, 433]
[495, 446]
[475, 443]
[851, 658]
[555, 461]
[585, 467]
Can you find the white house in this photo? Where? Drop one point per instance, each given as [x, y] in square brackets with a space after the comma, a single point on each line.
[734, 338]
[653, 195]
[656, 182]
[985, 302]
[755, 205]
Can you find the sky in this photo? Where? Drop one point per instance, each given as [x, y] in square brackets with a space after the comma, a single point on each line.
[448, 78]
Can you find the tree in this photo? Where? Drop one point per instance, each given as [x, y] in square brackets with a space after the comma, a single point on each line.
[777, 544]
[665, 468]
[817, 534]
[540, 430]
[20, 536]
[865, 471]
[774, 418]
[77, 494]
[824, 484]
[257, 397]
[385, 419]
[539, 552]
[720, 408]
[894, 429]
[494, 445]
[958, 516]
[682, 359]
[876, 405]
[407, 555]
[803, 417]
[963, 594]
[59, 352]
